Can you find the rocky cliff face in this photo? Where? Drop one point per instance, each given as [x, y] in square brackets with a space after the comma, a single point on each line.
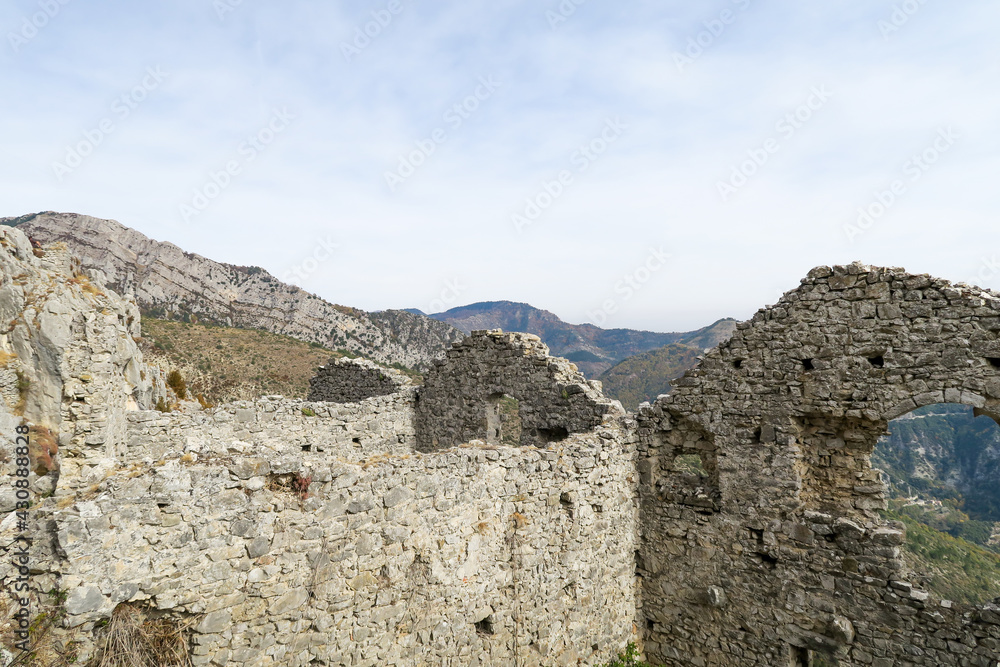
[166, 280]
[69, 365]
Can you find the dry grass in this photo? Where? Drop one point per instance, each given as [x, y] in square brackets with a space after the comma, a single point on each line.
[222, 364]
[133, 638]
[6, 358]
[84, 282]
[43, 447]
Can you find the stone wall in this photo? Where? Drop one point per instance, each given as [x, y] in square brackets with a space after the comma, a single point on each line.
[774, 553]
[282, 427]
[461, 391]
[734, 521]
[290, 544]
[351, 380]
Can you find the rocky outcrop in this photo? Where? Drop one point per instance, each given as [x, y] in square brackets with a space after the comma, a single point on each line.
[167, 281]
[69, 364]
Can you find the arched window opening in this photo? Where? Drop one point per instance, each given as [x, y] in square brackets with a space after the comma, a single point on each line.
[941, 464]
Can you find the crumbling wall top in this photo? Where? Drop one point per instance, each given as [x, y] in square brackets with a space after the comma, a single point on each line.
[351, 380]
[461, 393]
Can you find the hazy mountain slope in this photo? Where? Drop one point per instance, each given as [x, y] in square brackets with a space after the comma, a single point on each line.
[168, 282]
[592, 348]
[943, 452]
[645, 376]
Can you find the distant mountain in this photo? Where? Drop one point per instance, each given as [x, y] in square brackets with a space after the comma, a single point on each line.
[170, 283]
[591, 348]
[645, 376]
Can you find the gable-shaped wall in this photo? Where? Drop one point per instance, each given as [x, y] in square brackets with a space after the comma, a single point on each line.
[458, 399]
[777, 554]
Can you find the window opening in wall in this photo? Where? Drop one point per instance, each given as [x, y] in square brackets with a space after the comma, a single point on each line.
[801, 657]
[685, 472]
[690, 464]
[737, 363]
[553, 434]
[877, 362]
[939, 466]
[808, 364]
[503, 420]
[994, 361]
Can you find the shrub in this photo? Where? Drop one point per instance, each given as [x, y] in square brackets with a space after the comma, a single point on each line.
[308, 412]
[176, 382]
[42, 450]
[630, 658]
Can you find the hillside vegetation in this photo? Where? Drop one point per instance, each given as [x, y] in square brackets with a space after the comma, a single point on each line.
[225, 363]
[956, 569]
[645, 376]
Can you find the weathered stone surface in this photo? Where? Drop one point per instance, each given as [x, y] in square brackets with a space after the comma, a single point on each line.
[352, 380]
[784, 516]
[303, 532]
[461, 392]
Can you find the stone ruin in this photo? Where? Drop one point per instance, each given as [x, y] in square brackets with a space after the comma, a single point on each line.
[458, 400]
[347, 380]
[397, 530]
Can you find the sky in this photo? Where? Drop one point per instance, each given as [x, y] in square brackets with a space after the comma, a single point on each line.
[640, 164]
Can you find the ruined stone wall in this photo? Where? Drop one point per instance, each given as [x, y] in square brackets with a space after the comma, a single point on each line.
[774, 552]
[461, 391]
[341, 555]
[352, 380]
[276, 425]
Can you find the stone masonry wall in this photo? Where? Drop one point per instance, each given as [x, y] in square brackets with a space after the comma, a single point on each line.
[352, 380]
[734, 521]
[290, 545]
[280, 426]
[775, 553]
[555, 399]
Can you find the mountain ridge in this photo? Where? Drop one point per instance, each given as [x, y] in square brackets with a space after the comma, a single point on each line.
[592, 348]
[167, 281]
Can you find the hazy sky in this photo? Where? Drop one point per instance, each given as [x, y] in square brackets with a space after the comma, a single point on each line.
[638, 164]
